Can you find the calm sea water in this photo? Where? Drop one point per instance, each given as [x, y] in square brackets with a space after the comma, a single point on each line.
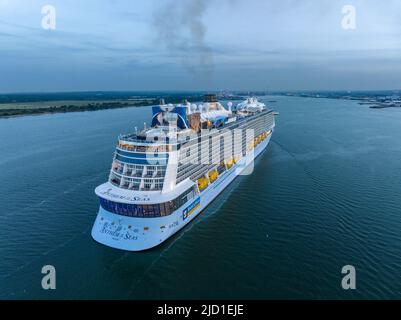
[326, 193]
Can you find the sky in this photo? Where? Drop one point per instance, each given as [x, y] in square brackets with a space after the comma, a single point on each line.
[105, 45]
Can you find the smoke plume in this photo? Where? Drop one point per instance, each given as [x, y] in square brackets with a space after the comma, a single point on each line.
[181, 30]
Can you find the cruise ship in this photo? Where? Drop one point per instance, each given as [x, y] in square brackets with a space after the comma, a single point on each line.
[163, 176]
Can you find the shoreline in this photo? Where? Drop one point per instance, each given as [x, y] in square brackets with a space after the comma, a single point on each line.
[374, 101]
[37, 114]
[22, 109]
[30, 109]
[13, 110]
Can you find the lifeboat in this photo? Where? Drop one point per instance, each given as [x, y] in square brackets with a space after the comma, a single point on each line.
[213, 176]
[203, 182]
[229, 163]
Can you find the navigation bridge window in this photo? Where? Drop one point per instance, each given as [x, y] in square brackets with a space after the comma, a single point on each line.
[150, 210]
[135, 183]
[137, 177]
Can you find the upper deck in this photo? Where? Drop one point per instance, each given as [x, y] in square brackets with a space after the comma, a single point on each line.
[151, 160]
[163, 138]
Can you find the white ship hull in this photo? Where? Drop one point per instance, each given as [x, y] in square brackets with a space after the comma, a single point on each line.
[136, 234]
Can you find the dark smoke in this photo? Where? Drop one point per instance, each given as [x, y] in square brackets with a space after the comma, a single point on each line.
[180, 29]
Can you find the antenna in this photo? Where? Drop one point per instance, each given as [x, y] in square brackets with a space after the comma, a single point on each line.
[230, 104]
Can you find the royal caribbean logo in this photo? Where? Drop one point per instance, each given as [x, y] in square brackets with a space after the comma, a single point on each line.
[191, 208]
